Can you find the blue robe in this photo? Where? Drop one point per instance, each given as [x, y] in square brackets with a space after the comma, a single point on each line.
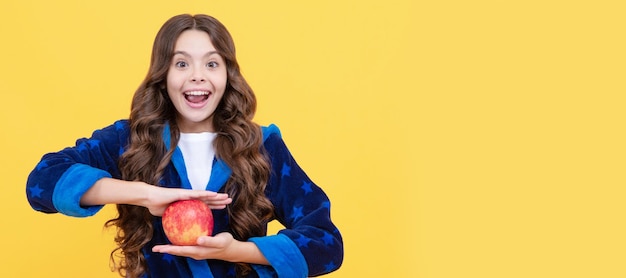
[310, 244]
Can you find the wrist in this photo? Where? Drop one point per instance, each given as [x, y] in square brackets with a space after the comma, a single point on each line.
[144, 193]
[247, 252]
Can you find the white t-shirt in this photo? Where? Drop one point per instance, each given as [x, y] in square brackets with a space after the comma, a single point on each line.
[198, 154]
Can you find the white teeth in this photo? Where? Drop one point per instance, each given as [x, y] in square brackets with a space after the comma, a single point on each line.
[197, 93]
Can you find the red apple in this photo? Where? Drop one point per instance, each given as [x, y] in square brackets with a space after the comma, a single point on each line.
[184, 221]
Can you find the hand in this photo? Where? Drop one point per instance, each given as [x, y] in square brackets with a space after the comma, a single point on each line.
[155, 198]
[160, 197]
[220, 246]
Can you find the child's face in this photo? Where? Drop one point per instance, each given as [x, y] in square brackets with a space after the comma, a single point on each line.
[196, 81]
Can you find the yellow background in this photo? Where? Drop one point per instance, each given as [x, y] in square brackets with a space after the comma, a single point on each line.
[454, 138]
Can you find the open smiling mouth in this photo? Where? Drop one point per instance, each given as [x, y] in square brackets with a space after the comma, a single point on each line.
[197, 96]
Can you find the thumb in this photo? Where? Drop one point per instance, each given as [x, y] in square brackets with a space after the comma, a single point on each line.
[204, 241]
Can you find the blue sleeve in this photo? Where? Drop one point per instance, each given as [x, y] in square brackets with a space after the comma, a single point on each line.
[60, 179]
[284, 257]
[310, 244]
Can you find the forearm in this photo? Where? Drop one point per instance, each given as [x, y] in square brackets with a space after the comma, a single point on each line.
[221, 246]
[115, 191]
[248, 252]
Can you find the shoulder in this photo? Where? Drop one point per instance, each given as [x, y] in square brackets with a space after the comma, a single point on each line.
[270, 131]
[273, 143]
[115, 132]
[117, 126]
[120, 126]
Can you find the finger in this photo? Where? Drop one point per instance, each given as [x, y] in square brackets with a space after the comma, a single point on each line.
[221, 204]
[222, 199]
[219, 196]
[186, 194]
[208, 241]
[205, 194]
[186, 251]
[159, 248]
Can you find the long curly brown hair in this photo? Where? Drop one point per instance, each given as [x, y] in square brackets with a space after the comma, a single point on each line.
[238, 144]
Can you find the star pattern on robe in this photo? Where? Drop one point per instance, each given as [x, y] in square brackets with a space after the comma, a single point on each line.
[285, 171]
[82, 147]
[303, 241]
[306, 186]
[231, 272]
[93, 143]
[296, 213]
[168, 258]
[328, 239]
[35, 191]
[330, 266]
[326, 204]
[119, 126]
[42, 164]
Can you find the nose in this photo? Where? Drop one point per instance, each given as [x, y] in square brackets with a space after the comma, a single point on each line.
[198, 76]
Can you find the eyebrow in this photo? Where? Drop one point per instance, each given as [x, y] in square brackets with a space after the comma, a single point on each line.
[184, 53]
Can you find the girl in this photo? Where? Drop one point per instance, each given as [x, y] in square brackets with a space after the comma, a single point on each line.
[190, 135]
